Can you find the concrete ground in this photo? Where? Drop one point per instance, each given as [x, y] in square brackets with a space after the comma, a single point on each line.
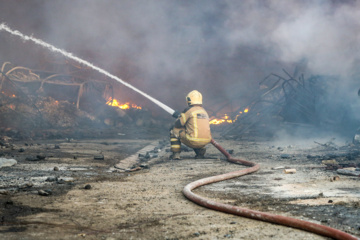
[90, 199]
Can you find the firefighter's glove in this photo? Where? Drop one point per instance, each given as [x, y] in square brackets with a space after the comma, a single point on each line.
[176, 114]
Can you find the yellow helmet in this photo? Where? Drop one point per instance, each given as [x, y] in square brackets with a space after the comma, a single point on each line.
[194, 97]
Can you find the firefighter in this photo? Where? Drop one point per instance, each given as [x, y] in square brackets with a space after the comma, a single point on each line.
[191, 127]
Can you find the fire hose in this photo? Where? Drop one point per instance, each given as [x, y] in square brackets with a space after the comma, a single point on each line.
[262, 216]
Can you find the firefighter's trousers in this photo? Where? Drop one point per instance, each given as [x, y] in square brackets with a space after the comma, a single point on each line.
[178, 136]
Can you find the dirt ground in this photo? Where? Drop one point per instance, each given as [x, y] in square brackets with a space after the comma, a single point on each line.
[88, 198]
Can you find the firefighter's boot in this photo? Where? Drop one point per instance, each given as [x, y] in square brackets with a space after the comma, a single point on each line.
[175, 146]
[175, 156]
[200, 153]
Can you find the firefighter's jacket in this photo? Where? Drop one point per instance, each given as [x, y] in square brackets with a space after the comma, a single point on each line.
[195, 120]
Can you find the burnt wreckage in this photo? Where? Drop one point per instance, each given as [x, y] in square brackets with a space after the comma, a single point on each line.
[36, 102]
[37, 99]
[292, 102]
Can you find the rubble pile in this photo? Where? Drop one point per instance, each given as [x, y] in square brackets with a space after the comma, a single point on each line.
[292, 101]
[61, 113]
[42, 104]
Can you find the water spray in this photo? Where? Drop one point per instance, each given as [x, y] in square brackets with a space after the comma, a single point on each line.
[4, 27]
[286, 221]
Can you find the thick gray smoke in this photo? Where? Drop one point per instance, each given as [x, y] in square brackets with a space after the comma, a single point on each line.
[221, 48]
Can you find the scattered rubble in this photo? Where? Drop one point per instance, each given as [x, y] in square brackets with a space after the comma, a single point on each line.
[350, 172]
[334, 178]
[280, 167]
[291, 170]
[285, 155]
[45, 192]
[99, 157]
[60, 189]
[4, 162]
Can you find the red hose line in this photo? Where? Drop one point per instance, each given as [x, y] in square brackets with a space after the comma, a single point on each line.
[262, 216]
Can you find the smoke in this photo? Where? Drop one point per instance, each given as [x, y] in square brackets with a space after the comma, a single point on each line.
[324, 33]
[221, 48]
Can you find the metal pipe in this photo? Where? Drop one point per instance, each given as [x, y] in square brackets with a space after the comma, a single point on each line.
[262, 216]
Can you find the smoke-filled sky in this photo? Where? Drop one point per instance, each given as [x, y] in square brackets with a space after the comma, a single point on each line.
[168, 48]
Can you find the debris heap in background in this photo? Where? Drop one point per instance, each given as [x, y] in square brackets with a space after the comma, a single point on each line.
[291, 102]
[43, 104]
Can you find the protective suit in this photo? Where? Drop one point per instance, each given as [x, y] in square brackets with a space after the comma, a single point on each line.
[191, 128]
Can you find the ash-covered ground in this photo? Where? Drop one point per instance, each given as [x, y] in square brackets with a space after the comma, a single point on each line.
[68, 188]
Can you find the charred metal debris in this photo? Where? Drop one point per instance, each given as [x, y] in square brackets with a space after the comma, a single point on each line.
[36, 102]
[291, 101]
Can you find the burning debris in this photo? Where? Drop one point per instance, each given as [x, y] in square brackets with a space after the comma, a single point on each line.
[49, 102]
[289, 101]
[127, 105]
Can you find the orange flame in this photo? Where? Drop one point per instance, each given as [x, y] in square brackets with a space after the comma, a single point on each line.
[127, 105]
[9, 95]
[225, 118]
[217, 121]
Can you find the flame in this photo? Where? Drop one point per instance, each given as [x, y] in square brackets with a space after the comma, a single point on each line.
[226, 119]
[127, 105]
[9, 95]
[135, 106]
